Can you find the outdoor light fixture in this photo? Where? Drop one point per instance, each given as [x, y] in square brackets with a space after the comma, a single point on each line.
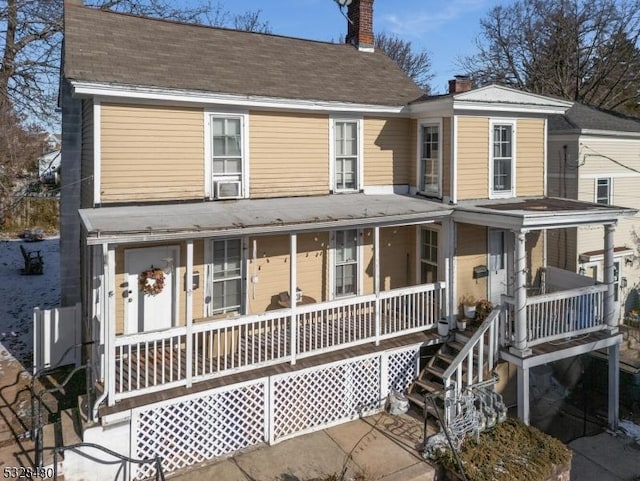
[581, 271]
[168, 268]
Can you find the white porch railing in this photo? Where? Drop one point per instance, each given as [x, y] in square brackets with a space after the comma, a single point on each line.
[479, 353]
[155, 361]
[560, 314]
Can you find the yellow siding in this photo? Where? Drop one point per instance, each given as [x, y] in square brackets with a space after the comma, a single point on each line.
[471, 251]
[151, 153]
[412, 141]
[86, 165]
[387, 152]
[534, 243]
[446, 156]
[396, 245]
[473, 157]
[198, 267]
[530, 157]
[272, 267]
[289, 154]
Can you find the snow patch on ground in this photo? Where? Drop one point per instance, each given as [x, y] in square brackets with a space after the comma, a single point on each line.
[630, 429]
[19, 294]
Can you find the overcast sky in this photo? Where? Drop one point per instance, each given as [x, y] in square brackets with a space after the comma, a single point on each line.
[445, 28]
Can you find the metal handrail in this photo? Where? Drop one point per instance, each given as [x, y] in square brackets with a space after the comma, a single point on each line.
[36, 411]
[157, 461]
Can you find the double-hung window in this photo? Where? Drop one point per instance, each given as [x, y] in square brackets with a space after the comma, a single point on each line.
[430, 160]
[226, 291]
[346, 155]
[428, 256]
[502, 159]
[346, 263]
[603, 191]
[227, 152]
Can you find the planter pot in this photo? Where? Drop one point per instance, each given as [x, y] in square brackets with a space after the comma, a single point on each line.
[443, 327]
[462, 325]
[469, 312]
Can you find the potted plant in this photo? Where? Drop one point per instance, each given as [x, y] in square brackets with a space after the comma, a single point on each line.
[483, 308]
[468, 306]
[461, 324]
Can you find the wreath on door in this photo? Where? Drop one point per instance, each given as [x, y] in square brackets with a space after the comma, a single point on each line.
[151, 281]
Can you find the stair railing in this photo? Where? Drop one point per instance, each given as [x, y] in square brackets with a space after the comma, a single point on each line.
[486, 336]
[36, 406]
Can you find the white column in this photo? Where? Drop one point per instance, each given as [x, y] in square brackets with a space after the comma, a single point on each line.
[293, 281]
[376, 279]
[609, 304]
[448, 247]
[110, 322]
[520, 294]
[614, 385]
[523, 395]
[189, 310]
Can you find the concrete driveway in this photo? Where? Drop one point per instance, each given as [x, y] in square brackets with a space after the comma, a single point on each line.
[605, 457]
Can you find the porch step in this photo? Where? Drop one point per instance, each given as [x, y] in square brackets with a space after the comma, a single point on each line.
[436, 371]
[64, 431]
[418, 400]
[429, 386]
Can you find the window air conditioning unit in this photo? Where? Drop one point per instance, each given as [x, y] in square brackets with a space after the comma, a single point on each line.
[228, 189]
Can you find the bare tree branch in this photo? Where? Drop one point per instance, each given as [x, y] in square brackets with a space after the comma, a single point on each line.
[582, 50]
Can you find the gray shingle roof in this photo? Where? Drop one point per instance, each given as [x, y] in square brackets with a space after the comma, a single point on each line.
[582, 117]
[115, 48]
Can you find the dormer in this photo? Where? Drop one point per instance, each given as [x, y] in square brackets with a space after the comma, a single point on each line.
[491, 142]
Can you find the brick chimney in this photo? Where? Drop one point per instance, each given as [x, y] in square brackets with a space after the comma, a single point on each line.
[360, 24]
[460, 83]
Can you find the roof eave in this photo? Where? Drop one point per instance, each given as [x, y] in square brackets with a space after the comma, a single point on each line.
[133, 92]
[95, 237]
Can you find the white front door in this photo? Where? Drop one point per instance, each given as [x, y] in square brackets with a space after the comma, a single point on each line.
[498, 275]
[150, 311]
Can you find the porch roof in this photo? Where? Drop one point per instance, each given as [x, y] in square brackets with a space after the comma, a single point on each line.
[255, 217]
[537, 213]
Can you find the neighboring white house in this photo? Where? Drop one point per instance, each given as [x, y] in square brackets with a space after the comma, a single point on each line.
[49, 167]
[594, 156]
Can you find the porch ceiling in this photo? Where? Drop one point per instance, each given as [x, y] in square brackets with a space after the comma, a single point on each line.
[533, 213]
[255, 217]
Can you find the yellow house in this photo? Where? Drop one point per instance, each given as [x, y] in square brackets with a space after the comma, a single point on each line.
[277, 227]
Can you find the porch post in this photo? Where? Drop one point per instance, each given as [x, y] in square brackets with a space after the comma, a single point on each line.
[614, 385]
[376, 279]
[609, 304]
[189, 311]
[293, 282]
[523, 394]
[520, 294]
[110, 321]
[449, 245]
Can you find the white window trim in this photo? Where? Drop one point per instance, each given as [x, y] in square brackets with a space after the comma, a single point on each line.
[511, 193]
[332, 152]
[419, 177]
[595, 190]
[332, 265]
[210, 113]
[439, 230]
[208, 277]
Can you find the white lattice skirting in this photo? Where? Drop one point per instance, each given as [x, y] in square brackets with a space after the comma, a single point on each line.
[203, 426]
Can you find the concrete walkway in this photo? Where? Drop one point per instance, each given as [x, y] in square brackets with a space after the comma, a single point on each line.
[380, 447]
[605, 457]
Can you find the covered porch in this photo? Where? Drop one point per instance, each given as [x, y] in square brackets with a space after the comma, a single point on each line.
[285, 249]
[552, 314]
